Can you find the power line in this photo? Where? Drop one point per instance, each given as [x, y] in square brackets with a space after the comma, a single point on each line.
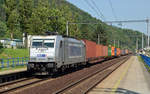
[134, 21]
[113, 11]
[93, 8]
[98, 10]
[127, 21]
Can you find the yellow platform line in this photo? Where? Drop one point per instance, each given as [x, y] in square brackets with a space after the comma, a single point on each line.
[121, 77]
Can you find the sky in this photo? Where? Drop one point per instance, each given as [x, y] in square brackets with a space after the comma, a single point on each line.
[123, 9]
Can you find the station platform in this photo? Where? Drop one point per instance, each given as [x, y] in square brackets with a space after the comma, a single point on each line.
[130, 78]
[6, 72]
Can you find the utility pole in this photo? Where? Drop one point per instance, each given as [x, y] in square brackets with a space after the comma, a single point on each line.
[142, 42]
[67, 28]
[114, 43]
[137, 43]
[147, 21]
[118, 43]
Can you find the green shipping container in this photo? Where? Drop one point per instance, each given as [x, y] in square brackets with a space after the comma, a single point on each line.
[109, 51]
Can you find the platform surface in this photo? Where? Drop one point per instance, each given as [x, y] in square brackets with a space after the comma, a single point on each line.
[129, 78]
[12, 71]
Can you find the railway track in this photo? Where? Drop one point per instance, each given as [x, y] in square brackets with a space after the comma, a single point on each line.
[78, 82]
[21, 83]
[85, 84]
[13, 76]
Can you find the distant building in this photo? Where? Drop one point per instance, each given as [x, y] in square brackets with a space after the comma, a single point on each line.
[15, 43]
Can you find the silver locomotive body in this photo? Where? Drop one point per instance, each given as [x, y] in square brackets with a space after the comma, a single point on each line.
[48, 54]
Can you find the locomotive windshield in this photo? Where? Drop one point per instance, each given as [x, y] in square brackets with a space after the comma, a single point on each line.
[46, 43]
[37, 43]
[49, 43]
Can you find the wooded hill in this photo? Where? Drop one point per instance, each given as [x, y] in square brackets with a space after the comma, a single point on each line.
[39, 16]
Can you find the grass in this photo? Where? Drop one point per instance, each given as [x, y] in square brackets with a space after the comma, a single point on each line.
[6, 53]
[13, 53]
[141, 60]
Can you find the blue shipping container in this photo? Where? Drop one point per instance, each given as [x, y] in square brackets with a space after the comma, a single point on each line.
[115, 51]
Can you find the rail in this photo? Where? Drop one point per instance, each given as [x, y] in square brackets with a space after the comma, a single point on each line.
[13, 62]
[146, 59]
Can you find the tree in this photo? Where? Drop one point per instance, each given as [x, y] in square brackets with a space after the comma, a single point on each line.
[44, 18]
[11, 16]
[3, 29]
[2, 11]
[84, 32]
[13, 23]
[100, 30]
[25, 8]
[9, 6]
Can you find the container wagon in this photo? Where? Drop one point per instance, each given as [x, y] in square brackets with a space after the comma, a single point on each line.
[115, 51]
[90, 50]
[105, 51]
[99, 51]
[118, 52]
[109, 51]
[112, 51]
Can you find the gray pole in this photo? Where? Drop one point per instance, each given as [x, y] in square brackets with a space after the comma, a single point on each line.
[137, 43]
[67, 28]
[118, 43]
[147, 33]
[142, 41]
[114, 43]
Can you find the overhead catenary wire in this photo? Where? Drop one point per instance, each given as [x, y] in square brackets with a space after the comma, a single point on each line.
[94, 9]
[98, 10]
[113, 11]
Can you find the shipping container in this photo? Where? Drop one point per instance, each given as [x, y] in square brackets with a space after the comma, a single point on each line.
[115, 51]
[105, 51]
[109, 51]
[122, 52]
[118, 51]
[126, 51]
[90, 49]
[112, 51]
[99, 50]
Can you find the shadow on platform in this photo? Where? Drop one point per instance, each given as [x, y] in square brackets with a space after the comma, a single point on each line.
[110, 90]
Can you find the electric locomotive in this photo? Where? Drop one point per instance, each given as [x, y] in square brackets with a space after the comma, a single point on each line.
[50, 53]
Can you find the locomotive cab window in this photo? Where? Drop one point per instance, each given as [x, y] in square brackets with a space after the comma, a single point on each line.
[46, 43]
[49, 43]
[37, 43]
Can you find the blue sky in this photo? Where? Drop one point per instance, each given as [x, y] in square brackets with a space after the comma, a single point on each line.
[124, 10]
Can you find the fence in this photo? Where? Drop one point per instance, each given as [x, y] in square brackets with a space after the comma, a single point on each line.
[13, 62]
[146, 59]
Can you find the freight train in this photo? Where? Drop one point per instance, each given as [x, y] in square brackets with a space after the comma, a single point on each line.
[50, 53]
